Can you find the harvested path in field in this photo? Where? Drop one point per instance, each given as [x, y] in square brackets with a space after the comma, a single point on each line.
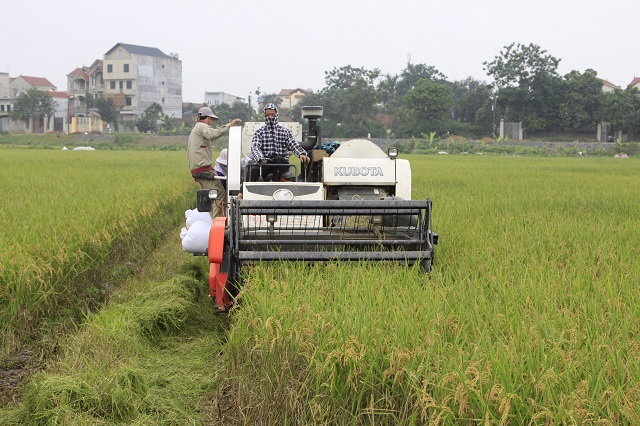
[170, 371]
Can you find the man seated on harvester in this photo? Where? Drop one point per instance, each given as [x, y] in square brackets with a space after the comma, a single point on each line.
[271, 145]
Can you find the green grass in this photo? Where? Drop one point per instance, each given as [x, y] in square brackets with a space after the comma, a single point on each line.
[115, 141]
[37, 141]
[67, 212]
[530, 316]
[147, 358]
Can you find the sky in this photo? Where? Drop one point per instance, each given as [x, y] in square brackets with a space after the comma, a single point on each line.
[238, 46]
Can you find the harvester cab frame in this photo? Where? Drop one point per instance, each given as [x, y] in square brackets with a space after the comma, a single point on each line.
[351, 204]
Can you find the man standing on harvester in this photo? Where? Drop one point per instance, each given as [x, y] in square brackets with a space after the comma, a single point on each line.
[200, 156]
[271, 145]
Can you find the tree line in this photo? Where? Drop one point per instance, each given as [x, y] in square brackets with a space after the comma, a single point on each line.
[421, 100]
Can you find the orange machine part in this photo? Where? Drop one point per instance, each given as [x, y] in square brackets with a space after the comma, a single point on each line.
[218, 288]
[216, 240]
[218, 280]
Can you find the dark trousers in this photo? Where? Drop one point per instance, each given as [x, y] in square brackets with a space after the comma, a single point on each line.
[270, 167]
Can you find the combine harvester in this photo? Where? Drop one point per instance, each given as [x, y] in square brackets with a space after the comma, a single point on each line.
[351, 204]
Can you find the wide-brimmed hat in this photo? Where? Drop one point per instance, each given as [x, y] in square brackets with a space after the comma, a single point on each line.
[206, 112]
[222, 158]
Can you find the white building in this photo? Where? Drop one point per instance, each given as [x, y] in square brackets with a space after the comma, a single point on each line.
[218, 98]
[607, 86]
[137, 76]
[17, 86]
[61, 115]
[22, 83]
[5, 100]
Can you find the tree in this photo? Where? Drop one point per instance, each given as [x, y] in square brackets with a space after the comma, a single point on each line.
[426, 108]
[580, 106]
[244, 112]
[543, 109]
[518, 65]
[349, 101]
[621, 108]
[387, 90]
[415, 72]
[312, 99]
[166, 122]
[241, 110]
[148, 120]
[485, 118]
[107, 110]
[429, 100]
[522, 77]
[268, 98]
[223, 112]
[33, 103]
[354, 90]
[469, 96]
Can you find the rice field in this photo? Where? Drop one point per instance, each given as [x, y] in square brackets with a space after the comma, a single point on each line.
[530, 316]
[65, 212]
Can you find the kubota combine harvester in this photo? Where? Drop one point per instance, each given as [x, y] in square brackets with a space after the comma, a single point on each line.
[350, 204]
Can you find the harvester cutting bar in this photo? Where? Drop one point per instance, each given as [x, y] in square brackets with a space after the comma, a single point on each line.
[326, 240]
[335, 207]
[348, 255]
[309, 230]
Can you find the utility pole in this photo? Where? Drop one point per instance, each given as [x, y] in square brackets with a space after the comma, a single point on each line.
[493, 108]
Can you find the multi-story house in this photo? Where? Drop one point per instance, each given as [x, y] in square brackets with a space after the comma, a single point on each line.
[217, 98]
[5, 100]
[84, 85]
[22, 83]
[137, 76]
[290, 97]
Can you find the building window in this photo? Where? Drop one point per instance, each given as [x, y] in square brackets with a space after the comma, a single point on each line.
[162, 100]
[8, 108]
[110, 68]
[1, 107]
[112, 85]
[127, 100]
[163, 83]
[129, 84]
[121, 84]
[216, 102]
[126, 67]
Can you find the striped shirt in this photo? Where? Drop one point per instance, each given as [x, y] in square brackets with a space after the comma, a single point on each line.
[269, 141]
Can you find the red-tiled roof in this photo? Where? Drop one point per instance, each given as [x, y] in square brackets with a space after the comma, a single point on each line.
[36, 81]
[80, 72]
[635, 81]
[61, 95]
[609, 84]
[288, 92]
